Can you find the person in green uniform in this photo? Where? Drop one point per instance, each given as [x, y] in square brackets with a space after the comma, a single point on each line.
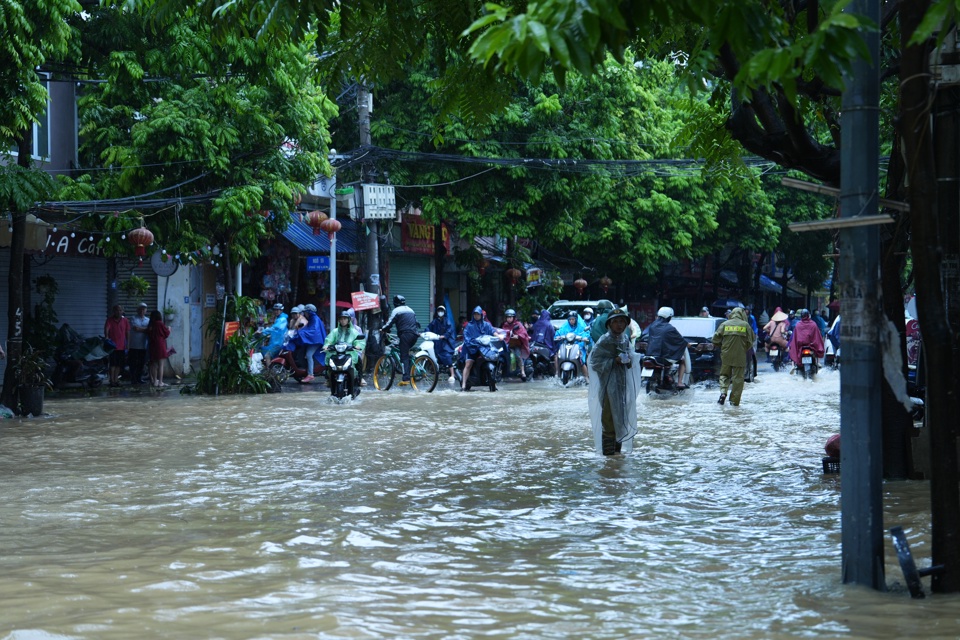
[599, 325]
[734, 337]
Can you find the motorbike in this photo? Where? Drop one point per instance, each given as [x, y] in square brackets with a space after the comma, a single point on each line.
[427, 347]
[541, 362]
[808, 364]
[487, 367]
[78, 362]
[512, 361]
[658, 375]
[284, 365]
[568, 358]
[341, 375]
[775, 356]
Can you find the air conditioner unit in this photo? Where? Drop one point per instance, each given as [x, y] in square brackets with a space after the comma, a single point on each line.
[379, 202]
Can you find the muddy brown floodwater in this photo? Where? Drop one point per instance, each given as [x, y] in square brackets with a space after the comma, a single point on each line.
[444, 515]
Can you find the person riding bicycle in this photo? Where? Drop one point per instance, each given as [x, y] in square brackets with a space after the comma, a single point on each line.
[471, 350]
[408, 330]
[347, 332]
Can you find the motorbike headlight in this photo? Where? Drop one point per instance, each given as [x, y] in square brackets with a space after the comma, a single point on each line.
[341, 347]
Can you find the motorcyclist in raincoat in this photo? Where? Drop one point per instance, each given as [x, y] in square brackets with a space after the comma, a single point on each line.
[347, 332]
[806, 334]
[276, 333]
[443, 326]
[474, 329]
[542, 332]
[578, 327]
[311, 336]
[518, 341]
[735, 338]
[612, 397]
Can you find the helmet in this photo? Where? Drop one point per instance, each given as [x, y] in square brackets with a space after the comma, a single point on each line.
[278, 307]
[399, 301]
[311, 308]
[604, 305]
[804, 313]
[588, 310]
[618, 313]
[510, 312]
[297, 309]
[346, 314]
[572, 314]
[665, 312]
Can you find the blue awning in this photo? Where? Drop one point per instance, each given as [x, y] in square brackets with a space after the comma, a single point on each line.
[766, 284]
[301, 235]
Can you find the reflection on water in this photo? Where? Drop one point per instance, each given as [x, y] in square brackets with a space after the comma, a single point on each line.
[448, 515]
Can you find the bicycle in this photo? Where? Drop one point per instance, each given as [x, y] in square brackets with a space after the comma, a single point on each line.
[424, 373]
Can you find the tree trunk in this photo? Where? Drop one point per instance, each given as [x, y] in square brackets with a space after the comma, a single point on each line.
[10, 395]
[941, 402]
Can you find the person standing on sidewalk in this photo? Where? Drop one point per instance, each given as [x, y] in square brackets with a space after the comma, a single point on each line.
[137, 356]
[117, 330]
[735, 338]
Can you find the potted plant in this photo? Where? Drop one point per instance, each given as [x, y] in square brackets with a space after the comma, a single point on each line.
[31, 372]
[135, 286]
[169, 313]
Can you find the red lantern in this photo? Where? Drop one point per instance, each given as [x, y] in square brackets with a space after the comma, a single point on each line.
[580, 284]
[605, 283]
[482, 267]
[141, 239]
[514, 275]
[315, 219]
[331, 226]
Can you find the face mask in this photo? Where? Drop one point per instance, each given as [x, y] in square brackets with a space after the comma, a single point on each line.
[440, 314]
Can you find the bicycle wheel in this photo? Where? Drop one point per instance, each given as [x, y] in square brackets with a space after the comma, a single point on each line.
[383, 373]
[425, 373]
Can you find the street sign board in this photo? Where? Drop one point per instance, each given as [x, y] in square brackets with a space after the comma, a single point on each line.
[364, 301]
[318, 263]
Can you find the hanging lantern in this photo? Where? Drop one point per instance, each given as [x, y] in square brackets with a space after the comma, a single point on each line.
[514, 274]
[580, 284]
[141, 239]
[605, 283]
[482, 267]
[265, 213]
[331, 226]
[315, 219]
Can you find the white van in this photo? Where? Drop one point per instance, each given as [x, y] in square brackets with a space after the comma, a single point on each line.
[560, 309]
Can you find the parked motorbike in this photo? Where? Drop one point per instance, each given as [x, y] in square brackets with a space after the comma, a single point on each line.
[568, 357]
[78, 362]
[658, 375]
[808, 365]
[341, 375]
[541, 361]
[428, 347]
[487, 367]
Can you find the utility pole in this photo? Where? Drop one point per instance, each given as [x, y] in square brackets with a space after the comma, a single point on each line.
[364, 103]
[860, 421]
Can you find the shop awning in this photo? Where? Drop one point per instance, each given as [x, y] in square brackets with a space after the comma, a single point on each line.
[301, 235]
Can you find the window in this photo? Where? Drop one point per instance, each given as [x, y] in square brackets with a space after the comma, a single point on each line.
[41, 129]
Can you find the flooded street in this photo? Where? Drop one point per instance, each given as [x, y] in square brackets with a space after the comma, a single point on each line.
[443, 515]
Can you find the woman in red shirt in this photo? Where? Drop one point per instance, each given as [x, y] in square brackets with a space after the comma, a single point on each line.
[158, 333]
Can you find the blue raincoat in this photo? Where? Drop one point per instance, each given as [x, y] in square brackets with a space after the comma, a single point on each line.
[473, 330]
[276, 335]
[444, 346]
[542, 331]
[581, 330]
[314, 333]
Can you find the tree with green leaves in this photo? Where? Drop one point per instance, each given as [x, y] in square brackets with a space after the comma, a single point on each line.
[34, 34]
[231, 130]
